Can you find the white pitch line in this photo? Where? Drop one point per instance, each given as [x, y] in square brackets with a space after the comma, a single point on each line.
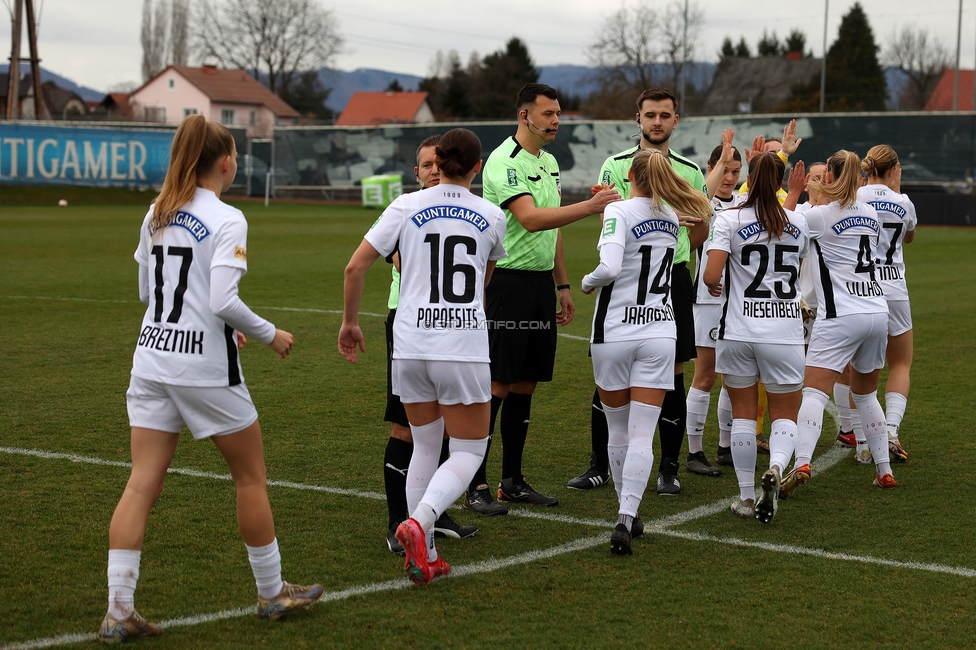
[305, 310]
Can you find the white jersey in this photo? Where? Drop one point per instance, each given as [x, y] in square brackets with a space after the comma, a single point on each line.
[702, 297]
[637, 304]
[846, 241]
[808, 269]
[763, 304]
[897, 214]
[445, 235]
[182, 342]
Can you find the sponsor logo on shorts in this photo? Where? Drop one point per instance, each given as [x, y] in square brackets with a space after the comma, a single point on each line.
[240, 253]
[512, 178]
[713, 334]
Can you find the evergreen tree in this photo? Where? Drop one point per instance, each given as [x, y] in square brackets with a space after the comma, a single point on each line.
[727, 48]
[456, 98]
[796, 41]
[394, 87]
[742, 49]
[855, 80]
[768, 45]
[307, 96]
[502, 75]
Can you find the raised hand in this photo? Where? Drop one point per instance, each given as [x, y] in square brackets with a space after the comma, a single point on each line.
[790, 143]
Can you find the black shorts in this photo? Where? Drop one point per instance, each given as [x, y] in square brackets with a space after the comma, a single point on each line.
[521, 312]
[395, 412]
[682, 301]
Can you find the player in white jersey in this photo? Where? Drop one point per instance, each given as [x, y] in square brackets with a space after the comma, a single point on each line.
[185, 371]
[852, 318]
[757, 248]
[448, 240]
[724, 167]
[632, 341]
[898, 221]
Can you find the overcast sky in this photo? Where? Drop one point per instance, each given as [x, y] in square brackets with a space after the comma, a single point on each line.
[96, 42]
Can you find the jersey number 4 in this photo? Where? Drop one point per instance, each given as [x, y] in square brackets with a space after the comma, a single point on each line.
[662, 279]
[177, 311]
[779, 265]
[450, 268]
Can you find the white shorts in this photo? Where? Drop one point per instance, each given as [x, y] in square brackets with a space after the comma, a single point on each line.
[706, 325]
[206, 411]
[858, 339]
[899, 317]
[648, 363]
[780, 366]
[444, 382]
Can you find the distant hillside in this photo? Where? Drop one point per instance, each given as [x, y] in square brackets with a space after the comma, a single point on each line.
[88, 94]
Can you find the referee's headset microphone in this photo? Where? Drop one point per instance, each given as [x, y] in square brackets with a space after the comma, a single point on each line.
[541, 132]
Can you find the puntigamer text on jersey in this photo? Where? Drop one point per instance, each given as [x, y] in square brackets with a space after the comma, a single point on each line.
[450, 212]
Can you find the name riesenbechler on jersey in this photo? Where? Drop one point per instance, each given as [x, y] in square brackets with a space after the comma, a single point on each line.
[170, 340]
[770, 309]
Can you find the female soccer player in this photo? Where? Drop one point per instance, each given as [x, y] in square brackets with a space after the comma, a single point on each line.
[633, 325]
[448, 240]
[185, 371]
[724, 167]
[758, 248]
[898, 220]
[852, 317]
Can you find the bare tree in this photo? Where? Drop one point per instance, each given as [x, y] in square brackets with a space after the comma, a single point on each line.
[922, 57]
[155, 23]
[678, 37]
[277, 39]
[624, 48]
[179, 33]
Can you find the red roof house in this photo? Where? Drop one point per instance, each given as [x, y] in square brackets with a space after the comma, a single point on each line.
[375, 108]
[941, 99]
[231, 97]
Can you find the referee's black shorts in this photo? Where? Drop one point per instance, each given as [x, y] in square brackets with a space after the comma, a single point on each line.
[682, 301]
[521, 312]
[395, 412]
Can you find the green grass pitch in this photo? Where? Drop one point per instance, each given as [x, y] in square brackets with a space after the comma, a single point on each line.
[842, 565]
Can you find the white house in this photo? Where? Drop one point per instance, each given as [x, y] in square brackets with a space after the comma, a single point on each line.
[231, 97]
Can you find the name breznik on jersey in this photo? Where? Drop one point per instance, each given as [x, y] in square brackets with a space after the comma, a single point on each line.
[450, 212]
[170, 340]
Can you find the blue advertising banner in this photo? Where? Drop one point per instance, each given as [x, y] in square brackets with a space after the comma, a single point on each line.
[56, 155]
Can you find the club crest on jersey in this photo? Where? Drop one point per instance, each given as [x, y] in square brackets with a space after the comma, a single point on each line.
[855, 222]
[512, 178]
[192, 225]
[655, 225]
[450, 212]
[748, 232]
[888, 206]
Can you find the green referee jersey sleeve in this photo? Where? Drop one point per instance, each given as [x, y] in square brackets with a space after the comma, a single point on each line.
[615, 170]
[510, 173]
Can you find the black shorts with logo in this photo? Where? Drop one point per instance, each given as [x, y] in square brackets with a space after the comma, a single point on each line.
[521, 312]
[395, 412]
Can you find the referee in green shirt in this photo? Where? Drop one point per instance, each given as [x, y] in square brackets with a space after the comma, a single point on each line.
[657, 115]
[522, 178]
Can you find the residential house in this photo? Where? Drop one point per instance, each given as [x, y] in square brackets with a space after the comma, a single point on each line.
[941, 99]
[756, 85]
[232, 97]
[375, 108]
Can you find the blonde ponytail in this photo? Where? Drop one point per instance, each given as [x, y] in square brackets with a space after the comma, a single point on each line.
[845, 167]
[656, 179]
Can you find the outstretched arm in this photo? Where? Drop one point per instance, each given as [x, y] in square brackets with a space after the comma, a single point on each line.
[350, 336]
[536, 219]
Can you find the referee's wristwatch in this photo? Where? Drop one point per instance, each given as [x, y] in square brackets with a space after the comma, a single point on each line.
[562, 286]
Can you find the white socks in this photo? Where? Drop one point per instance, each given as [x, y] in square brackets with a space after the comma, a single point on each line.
[873, 423]
[123, 574]
[842, 394]
[640, 456]
[427, 442]
[895, 403]
[617, 423]
[744, 456]
[782, 442]
[809, 422]
[724, 418]
[697, 405]
[862, 442]
[266, 567]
